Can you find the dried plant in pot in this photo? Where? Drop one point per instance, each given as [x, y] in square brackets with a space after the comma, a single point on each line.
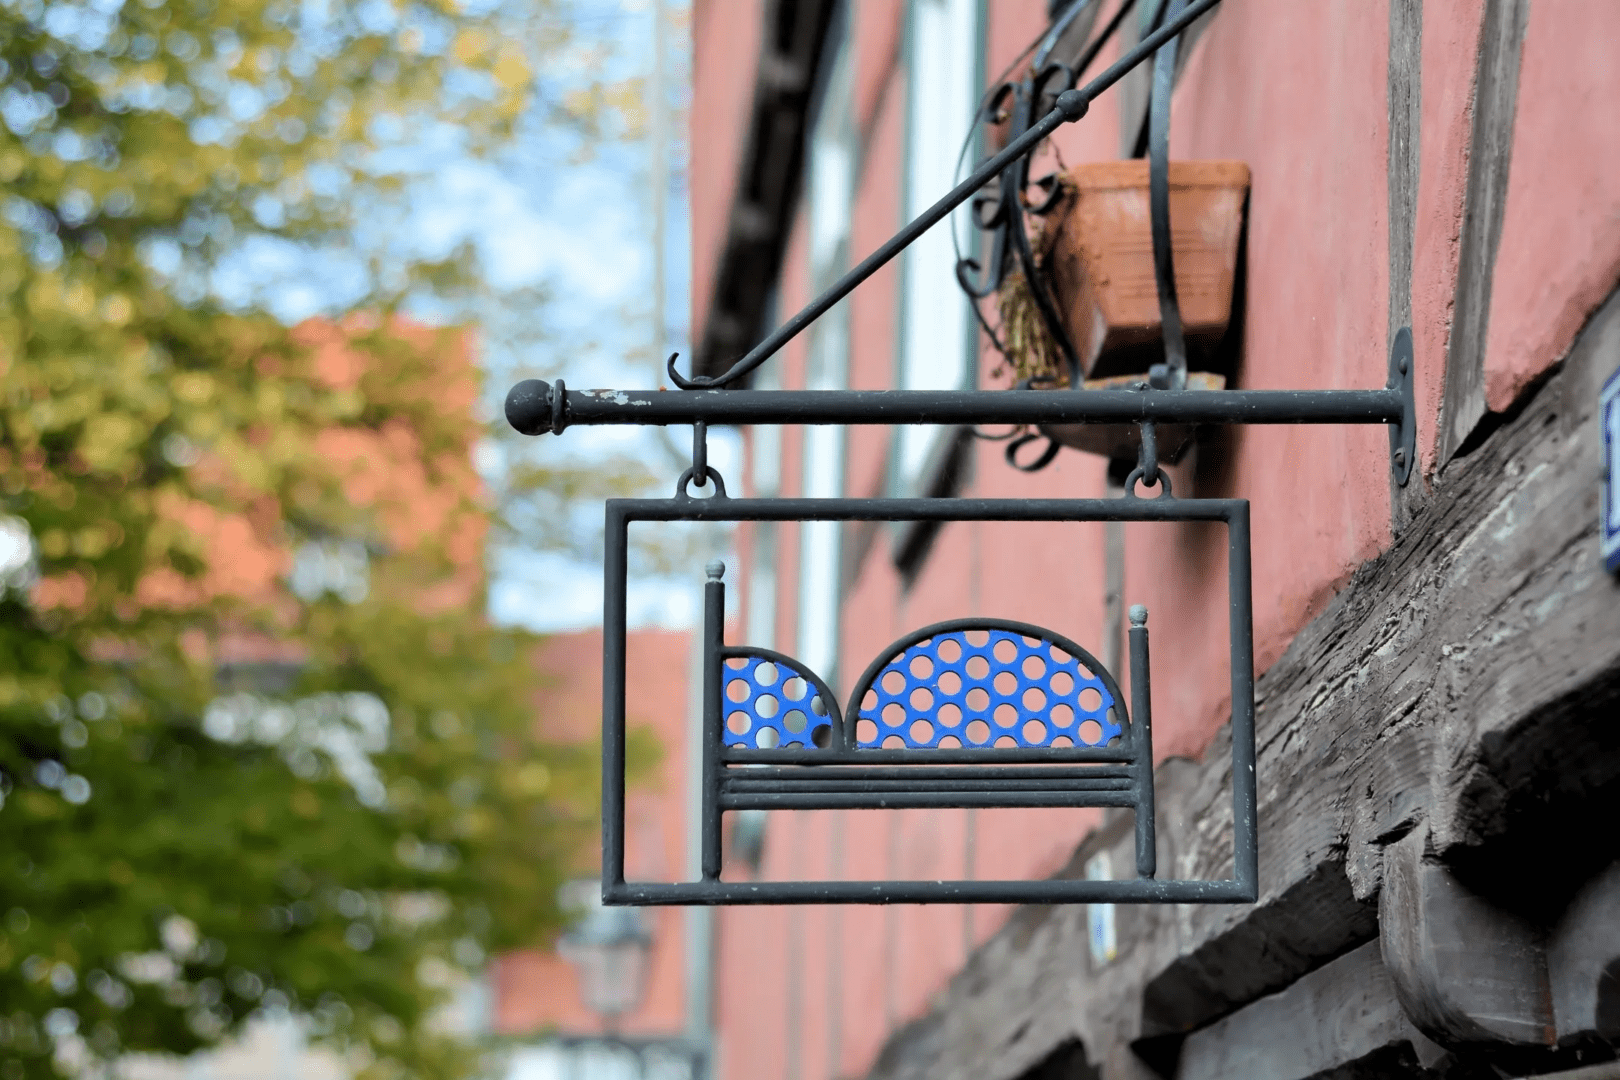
[1095, 255]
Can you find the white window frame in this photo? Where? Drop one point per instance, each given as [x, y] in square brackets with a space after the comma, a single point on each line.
[938, 339]
[765, 480]
[831, 162]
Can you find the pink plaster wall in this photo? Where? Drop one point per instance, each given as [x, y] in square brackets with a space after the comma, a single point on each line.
[1318, 283]
[1299, 92]
[877, 26]
[1096, 138]
[535, 991]
[757, 1007]
[726, 37]
[1560, 249]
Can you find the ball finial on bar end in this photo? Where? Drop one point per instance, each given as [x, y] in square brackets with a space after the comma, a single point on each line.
[1138, 614]
[528, 407]
[716, 570]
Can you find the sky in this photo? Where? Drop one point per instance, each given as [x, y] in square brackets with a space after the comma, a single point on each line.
[562, 238]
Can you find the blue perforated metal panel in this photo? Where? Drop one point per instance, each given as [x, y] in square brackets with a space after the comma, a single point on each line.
[913, 706]
[769, 704]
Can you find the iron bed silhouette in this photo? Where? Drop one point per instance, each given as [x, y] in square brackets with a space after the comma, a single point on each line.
[972, 712]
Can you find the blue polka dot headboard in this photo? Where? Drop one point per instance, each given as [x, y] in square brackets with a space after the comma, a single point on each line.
[770, 701]
[986, 683]
[965, 685]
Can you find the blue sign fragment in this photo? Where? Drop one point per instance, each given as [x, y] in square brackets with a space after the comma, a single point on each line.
[1609, 501]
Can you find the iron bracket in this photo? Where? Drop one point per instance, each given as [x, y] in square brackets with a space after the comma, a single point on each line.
[535, 407]
[1037, 755]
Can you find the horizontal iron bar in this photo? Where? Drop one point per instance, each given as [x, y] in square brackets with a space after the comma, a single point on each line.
[923, 772]
[987, 756]
[1048, 891]
[529, 406]
[921, 800]
[812, 785]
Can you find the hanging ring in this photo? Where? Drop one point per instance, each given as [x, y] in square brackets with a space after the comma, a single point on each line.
[1136, 474]
[1010, 433]
[710, 473]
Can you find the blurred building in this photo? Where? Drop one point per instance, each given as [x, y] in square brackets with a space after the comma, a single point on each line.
[538, 1000]
[426, 509]
[1439, 664]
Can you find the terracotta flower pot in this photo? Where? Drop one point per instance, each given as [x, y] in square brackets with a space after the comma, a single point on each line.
[1100, 264]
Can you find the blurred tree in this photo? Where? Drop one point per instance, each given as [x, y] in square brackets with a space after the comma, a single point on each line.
[259, 748]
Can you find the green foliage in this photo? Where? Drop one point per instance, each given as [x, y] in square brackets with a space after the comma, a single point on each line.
[219, 795]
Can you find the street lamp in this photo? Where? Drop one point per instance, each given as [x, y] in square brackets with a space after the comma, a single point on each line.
[608, 948]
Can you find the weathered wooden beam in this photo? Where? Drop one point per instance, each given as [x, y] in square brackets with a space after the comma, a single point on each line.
[1465, 681]
[1608, 1070]
[1343, 1014]
[1583, 961]
[1465, 678]
[1465, 970]
[1067, 1062]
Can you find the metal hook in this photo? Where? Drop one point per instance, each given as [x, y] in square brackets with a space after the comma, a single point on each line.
[1147, 458]
[697, 382]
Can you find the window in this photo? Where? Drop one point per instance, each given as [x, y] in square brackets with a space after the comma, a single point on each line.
[831, 167]
[936, 324]
[765, 474]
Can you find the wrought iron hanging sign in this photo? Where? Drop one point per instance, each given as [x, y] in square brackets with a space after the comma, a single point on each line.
[967, 713]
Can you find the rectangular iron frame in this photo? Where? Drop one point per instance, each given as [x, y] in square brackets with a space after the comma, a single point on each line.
[1240, 888]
